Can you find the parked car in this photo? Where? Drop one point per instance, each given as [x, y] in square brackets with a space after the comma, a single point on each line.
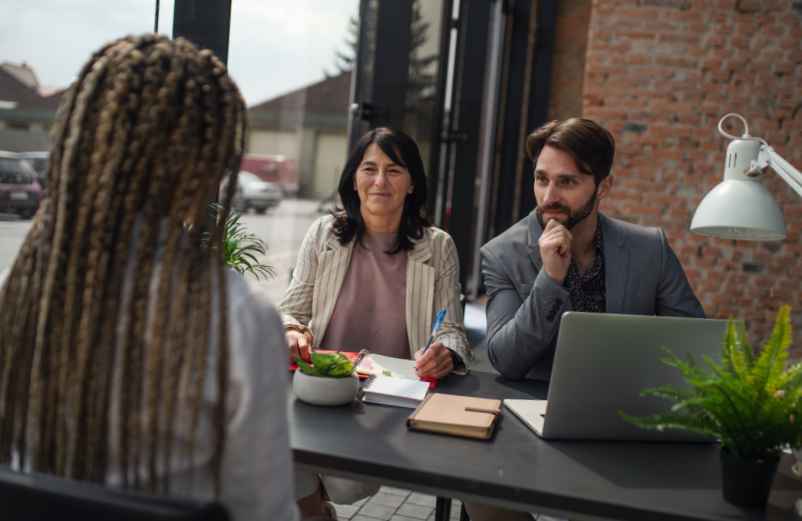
[20, 192]
[38, 160]
[273, 168]
[254, 193]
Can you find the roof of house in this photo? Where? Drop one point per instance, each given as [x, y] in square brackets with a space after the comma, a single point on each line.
[323, 104]
[23, 72]
[22, 103]
[15, 91]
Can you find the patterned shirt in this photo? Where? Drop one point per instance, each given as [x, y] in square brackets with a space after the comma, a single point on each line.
[587, 289]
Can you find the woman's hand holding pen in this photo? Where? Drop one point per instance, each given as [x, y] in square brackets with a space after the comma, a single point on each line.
[434, 362]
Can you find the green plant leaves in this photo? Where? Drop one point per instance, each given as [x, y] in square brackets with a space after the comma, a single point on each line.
[334, 365]
[241, 249]
[752, 404]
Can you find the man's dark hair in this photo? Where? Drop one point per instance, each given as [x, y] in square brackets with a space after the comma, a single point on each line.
[403, 150]
[590, 145]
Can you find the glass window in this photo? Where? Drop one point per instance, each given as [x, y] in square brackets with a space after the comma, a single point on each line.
[292, 64]
[15, 171]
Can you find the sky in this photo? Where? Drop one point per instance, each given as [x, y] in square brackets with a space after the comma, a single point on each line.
[275, 46]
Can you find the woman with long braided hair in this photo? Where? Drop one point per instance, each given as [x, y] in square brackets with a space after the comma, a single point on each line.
[129, 354]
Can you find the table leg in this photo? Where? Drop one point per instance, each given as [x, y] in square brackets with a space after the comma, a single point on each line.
[442, 509]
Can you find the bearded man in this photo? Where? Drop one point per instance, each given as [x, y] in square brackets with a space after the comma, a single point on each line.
[566, 256]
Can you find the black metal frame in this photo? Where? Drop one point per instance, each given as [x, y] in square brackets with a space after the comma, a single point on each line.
[206, 24]
[435, 171]
[38, 497]
[510, 142]
[545, 28]
[462, 133]
[379, 83]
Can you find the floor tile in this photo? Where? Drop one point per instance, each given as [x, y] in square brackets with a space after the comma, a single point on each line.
[416, 511]
[387, 500]
[395, 491]
[346, 511]
[379, 511]
[416, 498]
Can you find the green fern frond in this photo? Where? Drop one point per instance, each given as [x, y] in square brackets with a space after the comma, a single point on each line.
[752, 404]
[241, 249]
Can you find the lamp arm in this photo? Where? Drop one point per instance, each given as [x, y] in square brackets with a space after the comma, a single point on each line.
[768, 157]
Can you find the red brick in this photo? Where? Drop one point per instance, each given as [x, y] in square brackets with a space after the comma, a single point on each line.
[705, 61]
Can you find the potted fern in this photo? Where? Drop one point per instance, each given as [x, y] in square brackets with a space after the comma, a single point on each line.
[241, 249]
[752, 403]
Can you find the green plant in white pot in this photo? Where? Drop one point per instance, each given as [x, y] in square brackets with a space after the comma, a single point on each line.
[328, 380]
[751, 402]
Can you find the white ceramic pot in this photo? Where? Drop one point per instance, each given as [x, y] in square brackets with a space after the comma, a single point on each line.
[320, 390]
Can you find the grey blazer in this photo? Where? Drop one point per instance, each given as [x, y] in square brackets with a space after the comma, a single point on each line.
[524, 307]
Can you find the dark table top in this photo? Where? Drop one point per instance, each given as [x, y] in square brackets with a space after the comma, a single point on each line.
[583, 479]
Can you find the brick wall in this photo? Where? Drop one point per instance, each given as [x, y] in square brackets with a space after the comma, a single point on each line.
[660, 74]
[568, 64]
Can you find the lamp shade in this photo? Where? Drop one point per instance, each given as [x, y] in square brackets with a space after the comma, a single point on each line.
[740, 209]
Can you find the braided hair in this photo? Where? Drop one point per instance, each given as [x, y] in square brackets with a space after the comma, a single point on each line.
[106, 330]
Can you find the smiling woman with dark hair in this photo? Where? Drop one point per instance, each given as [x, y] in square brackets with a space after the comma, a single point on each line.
[374, 275]
[402, 151]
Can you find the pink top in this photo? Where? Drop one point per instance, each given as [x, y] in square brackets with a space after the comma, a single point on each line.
[370, 309]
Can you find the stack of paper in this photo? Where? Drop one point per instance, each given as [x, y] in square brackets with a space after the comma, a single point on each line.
[398, 392]
[531, 412]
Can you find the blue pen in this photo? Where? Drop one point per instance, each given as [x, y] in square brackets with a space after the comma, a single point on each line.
[438, 323]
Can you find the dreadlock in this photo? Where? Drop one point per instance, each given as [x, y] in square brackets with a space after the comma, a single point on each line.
[106, 315]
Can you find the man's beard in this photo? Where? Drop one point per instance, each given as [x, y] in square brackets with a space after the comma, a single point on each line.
[574, 218]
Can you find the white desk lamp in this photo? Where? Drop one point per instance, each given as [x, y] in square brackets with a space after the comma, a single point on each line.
[740, 207]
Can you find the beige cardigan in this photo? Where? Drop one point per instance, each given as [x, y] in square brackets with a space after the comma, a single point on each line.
[432, 284]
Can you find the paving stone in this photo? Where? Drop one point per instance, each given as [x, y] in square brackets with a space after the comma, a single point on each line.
[416, 498]
[405, 518]
[416, 511]
[365, 518]
[456, 508]
[346, 511]
[387, 500]
[395, 491]
[379, 511]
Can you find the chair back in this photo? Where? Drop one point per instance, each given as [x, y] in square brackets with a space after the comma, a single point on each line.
[40, 497]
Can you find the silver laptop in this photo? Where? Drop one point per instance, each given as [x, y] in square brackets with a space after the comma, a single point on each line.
[602, 363]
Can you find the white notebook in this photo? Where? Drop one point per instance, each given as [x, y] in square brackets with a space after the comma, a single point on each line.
[380, 365]
[531, 412]
[398, 392]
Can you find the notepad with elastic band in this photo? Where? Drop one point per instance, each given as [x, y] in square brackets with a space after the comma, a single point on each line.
[456, 415]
